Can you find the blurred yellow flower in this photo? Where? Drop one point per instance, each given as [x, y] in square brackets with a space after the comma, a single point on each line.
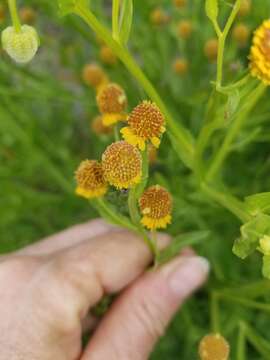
[214, 347]
[93, 75]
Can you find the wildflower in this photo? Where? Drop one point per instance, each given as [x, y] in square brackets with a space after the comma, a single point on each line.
[122, 165]
[93, 75]
[90, 180]
[156, 207]
[107, 56]
[180, 3]
[185, 29]
[158, 17]
[180, 66]
[260, 53]
[99, 128]
[245, 8]
[112, 101]
[146, 122]
[21, 46]
[214, 347]
[28, 15]
[265, 244]
[241, 34]
[211, 49]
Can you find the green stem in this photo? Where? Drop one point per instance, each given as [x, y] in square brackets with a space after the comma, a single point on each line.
[175, 129]
[14, 15]
[133, 207]
[222, 36]
[228, 201]
[214, 312]
[115, 19]
[241, 343]
[234, 130]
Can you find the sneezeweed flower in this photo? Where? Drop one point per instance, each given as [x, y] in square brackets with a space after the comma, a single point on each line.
[145, 123]
[93, 75]
[112, 102]
[107, 56]
[122, 165]
[99, 128]
[20, 45]
[245, 8]
[180, 66]
[185, 29]
[260, 53]
[156, 207]
[159, 17]
[214, 347]
[28, 15]
[180, 3]
[211, 49]
[241, 34]
[90, 180]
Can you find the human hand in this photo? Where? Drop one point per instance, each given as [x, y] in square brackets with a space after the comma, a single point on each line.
[48, 288]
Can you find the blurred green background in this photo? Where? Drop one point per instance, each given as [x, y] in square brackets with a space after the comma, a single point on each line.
[45, 115]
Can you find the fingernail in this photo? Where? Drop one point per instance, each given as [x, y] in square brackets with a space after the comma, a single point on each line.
[187, 274]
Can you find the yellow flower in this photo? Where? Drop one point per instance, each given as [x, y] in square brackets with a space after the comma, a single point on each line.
[214, 347]
[211, 49]
[260, 53]
[98, 127]
[158, 17]
[93, 75]
[122, 165]
[156, 207]
[185, 29]
[245, 8]
[90, 180]
[28, 15]
[107, 56]
[180, 66]
[241, 34]
[112, 102]
[180, 3]
[21, 46]
[146, 122]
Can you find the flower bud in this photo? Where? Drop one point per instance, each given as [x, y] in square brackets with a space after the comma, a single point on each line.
[22, 45]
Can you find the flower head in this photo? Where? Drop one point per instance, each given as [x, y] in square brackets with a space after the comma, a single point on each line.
[122, 165]
[90, 179]
[180, 66]
[146, 122]
[214, 347]
[260, 53]
[112, 101]
[158, 17]
[156, 207]
[99, 128]
[241, 34]
[28, 15]
[180, 3]
[107, 56]
[245, 8]
[93, 75]
[211, 49]
[185, 29]
[21, 46]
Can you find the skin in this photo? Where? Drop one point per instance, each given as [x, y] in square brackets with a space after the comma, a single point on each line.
[47, 290]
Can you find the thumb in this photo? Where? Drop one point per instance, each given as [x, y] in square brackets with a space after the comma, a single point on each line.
[140, 315]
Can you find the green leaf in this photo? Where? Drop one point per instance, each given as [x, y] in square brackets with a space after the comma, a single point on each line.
[69, 6]
[211, 9]
[126, 21]
[232, 104]
[266, 266]
[258, 203]
[251, 233]
[180, 242]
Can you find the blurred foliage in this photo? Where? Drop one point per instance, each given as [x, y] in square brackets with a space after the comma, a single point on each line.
[45, 114]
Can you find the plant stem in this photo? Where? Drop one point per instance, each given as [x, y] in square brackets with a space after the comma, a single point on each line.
[180, 133]
[115, 19]
[214, 311]
[14, 15]
[241, 343]
[234, 130]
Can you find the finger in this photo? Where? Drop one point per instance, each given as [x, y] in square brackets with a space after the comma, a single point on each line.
[67, 238]
[139, 317]
[104, 265]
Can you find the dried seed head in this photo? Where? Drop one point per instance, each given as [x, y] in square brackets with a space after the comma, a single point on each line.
[245, 8]
[21, 46]
[146, 122]
[107, 56]
[90, 179]
[122, 165]
[158, 17]
[93, 75]
[99, 128]
[214, 347]
[28, 15]
[180, 66]
[156, 207]
[241, 34]
[185, 29]
[180, 3]
[211, 49]
[260, 53]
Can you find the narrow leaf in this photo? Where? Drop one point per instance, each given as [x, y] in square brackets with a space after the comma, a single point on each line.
[126, 20]
[211, 9]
